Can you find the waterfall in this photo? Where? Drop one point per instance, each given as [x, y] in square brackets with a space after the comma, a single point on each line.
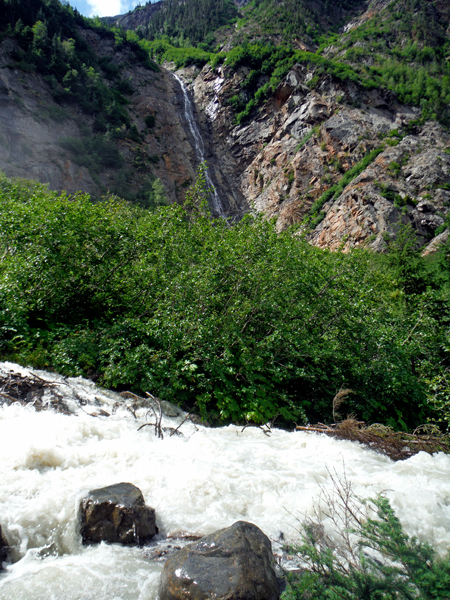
[199, 145]
[198, 483]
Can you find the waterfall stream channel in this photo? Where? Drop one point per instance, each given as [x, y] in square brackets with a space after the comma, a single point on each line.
[199, 146]
[198, 482]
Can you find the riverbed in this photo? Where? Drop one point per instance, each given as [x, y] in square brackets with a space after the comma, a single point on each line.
[199, 482]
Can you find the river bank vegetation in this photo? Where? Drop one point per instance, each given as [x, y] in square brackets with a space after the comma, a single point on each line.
[238, 323]
[368, 557]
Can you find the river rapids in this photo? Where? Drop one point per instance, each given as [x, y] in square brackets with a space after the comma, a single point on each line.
[199, 482]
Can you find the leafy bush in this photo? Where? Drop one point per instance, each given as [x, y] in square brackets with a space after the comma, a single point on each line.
[239, 322]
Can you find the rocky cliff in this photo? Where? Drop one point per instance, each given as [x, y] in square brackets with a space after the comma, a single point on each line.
[38, 135]
[303, 155]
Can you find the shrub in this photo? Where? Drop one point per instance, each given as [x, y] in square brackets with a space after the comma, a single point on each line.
[239, 323]
[367, 557]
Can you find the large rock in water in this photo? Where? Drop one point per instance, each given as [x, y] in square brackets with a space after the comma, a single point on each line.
[231, 564]
[117, 514]
[3, 548]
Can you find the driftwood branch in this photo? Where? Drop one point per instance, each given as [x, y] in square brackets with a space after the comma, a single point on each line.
[395, 444]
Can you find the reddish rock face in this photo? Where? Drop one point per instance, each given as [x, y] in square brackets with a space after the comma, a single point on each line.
[301, 142]
[235, 562]
[117, 514]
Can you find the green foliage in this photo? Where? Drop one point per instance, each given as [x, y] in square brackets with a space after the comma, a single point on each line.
[294, 19]
[50, 42]
[157, 195]
[162, 50]
[371, 557]
[407, 47]
[241, 323]
[190, 22]
[394, 168]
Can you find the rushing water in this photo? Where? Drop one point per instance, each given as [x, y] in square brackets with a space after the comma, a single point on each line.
[199, 145]
[205, 480]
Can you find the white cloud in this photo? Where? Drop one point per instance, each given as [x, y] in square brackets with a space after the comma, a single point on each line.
[106, 8]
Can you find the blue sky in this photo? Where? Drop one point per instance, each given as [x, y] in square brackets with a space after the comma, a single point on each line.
[104, 8]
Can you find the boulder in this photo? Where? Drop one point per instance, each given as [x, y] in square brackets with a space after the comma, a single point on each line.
[3, 548]
[231, 564]
[116, 514]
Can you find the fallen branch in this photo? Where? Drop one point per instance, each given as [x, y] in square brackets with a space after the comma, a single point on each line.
[395, 444]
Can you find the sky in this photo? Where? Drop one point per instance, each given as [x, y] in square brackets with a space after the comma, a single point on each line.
[104, 8]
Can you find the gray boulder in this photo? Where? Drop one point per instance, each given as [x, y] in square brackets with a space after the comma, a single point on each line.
[117, 514]
[231, 564]
[3, 548]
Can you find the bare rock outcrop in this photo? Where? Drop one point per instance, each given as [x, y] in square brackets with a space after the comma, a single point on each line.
[117, 514]
[301, 142]
[401, 185]
[235, 562]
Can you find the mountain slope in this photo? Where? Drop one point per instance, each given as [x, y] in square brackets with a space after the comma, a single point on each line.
[184, 22]
[83, 108]
[312, 132]
[298, 129]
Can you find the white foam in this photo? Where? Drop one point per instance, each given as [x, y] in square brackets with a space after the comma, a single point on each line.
[204, 481]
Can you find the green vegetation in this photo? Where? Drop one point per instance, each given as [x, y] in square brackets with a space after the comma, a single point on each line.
[369, 557]
[294, 19]
[239, 323]
[162, 50]
[193, 22]
[407, 49]
[50, 42]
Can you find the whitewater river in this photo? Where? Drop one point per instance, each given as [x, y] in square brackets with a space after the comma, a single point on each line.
[198, 483]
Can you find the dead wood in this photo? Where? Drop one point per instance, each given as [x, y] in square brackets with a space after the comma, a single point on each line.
[397, 445]
[30, 389]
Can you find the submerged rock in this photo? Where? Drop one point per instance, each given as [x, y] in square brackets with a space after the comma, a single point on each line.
[232, 563]
[116, 514]
[3, 548]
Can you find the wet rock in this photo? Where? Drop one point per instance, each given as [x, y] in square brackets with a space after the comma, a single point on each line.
[116, 514]
[3, 549]
[232, 563]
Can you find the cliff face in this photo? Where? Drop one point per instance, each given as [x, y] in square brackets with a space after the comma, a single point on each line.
[35, 129]
[31, 127]
[302, 142]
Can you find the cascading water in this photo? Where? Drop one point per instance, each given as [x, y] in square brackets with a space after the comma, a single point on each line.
[205, 480]
[199, 145]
